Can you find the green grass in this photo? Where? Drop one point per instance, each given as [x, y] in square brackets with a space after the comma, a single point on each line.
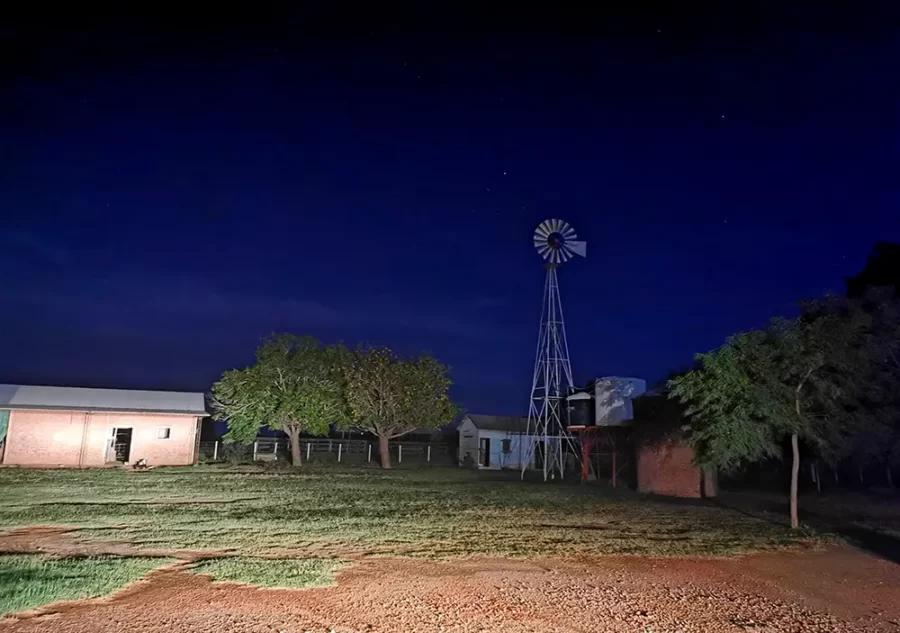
[29, 580]
[430, 513]
[282, 573]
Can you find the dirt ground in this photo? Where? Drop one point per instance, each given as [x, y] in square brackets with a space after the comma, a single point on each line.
[835, 589]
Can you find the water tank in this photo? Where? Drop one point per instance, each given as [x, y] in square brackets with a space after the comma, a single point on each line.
[580, 409]
[613, 397]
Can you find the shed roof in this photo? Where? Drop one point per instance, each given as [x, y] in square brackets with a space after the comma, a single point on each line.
[507, 423]
[83, 399]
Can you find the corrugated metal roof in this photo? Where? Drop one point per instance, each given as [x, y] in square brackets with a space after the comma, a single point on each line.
[83, 399]
[508, 423]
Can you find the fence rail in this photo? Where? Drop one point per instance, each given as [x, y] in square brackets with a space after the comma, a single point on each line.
[340, 450]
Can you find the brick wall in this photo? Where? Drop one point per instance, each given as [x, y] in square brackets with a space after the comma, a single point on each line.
[665, 464]
[667, 468]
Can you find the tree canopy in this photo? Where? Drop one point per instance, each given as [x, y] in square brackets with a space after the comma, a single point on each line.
[796, 379]
[296, 385]
[390, 396]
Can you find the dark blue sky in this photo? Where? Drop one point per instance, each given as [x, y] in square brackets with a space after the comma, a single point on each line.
[169, 195]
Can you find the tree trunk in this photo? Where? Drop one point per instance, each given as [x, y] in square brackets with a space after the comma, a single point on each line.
[818, 478]
[795, 470]
[296, 459]
[384, 451]
[861, 481]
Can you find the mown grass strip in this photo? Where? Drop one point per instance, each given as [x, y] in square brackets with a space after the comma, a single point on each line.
[275, 573]
[28, 581]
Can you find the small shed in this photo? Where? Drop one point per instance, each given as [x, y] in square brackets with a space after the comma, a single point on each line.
[79, 427]
[494, 441]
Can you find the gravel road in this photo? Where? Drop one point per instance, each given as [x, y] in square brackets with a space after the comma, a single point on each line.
[835, 589]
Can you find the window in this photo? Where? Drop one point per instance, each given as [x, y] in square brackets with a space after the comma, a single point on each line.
[506, 446]
[163, 432]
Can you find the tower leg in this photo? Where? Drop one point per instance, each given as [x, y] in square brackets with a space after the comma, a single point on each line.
[614, 473]
[585, 455]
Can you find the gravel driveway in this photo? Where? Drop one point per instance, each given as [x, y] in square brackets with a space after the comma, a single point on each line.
[835, 589]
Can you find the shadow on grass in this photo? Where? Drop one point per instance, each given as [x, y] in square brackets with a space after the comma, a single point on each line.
[879, 544]
[882, 545]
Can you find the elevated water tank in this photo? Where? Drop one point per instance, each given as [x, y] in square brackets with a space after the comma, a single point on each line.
[580, 408]
[613, 397]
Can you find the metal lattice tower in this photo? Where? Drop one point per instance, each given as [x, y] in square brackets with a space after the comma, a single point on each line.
[557, 243]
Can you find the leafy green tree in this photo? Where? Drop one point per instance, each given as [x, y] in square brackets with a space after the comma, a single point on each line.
[390, 396]
[295, 386]
[796, 380]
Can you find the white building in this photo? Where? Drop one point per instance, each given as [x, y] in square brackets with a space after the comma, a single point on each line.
[493, 441]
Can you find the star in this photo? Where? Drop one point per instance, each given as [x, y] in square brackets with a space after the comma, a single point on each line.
[504, 173]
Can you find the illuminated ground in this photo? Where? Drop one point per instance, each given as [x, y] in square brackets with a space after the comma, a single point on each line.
[427, 551]
[425, 513]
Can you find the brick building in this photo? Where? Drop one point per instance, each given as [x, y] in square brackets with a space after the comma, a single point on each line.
[665, 464]
[77, 427]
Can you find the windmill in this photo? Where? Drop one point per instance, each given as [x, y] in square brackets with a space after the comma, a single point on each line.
[555, 241]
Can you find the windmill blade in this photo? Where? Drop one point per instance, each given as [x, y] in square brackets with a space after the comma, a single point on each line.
[568, 233]
[564, 255]
[577, 247]
[543, 229]
[557, 225]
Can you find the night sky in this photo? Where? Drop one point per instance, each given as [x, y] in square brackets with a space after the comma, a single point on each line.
[171, 192]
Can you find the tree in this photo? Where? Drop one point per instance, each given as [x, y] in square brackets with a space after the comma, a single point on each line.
[882, 270]
[390, 396]
[879, 437]
[295, 386]
[795, 380]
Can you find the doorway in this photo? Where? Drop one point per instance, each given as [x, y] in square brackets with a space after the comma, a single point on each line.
[485, 452]
[118, 445]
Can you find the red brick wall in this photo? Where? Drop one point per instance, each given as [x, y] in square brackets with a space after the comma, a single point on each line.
[667, 468]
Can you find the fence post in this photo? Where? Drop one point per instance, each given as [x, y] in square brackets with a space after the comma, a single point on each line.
[399, 453]
[216, 450]
[339, 453]
[308, 448]
[254, 450]
[429, 453]
[370, 453]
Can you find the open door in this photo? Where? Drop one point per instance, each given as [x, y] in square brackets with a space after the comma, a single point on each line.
[118, 445]
[485, 452]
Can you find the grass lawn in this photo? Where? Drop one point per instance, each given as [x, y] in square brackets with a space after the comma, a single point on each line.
[442, 512]
[283, 573]
[30, 580]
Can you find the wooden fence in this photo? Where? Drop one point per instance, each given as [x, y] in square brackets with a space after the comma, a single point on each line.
[336, 450]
